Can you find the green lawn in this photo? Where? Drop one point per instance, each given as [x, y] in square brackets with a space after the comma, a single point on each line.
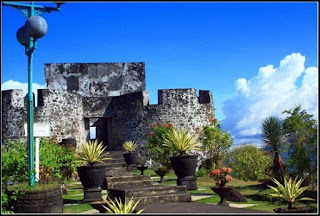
[250, 189]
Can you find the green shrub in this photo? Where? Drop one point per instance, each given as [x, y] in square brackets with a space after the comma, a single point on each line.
[156, 151]
[57, 161]
[202, 172]
[215, 144]
[249, 163]
[14, 159]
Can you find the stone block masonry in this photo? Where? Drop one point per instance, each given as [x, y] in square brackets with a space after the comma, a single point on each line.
[108, 96]
[96, 80]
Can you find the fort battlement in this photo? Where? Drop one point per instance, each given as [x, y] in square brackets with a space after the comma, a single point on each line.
[108, 96]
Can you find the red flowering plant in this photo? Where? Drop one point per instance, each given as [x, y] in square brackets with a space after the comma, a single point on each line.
[221, 177]
[156, 151]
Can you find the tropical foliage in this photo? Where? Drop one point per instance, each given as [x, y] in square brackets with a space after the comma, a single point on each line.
[290, 191]
[14, 162]
[129, 146]
[273, 142]
[300, 128]
[117, 207]
[249, 162]
[56, 161]
[215, 144]
[156, 151]
[91, 152]
[181, 142]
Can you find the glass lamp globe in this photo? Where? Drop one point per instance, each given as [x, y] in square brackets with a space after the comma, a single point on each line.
[36, 26]
[22, 36]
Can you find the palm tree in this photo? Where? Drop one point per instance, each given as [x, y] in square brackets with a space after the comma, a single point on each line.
[273, 142]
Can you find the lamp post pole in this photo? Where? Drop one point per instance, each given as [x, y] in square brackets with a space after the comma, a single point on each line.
[30, 10]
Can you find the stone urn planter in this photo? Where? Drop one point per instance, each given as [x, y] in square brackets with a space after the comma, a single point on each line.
[304, 209]
[38, 201]
[91, 178]
[222, 192]
[184, 167]
[131, 158]
[161, 173]
[142, 168]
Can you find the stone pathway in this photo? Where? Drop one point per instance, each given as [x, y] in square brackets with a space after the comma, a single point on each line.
[194, 198]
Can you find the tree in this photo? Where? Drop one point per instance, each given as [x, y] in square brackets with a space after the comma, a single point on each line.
[274, 142]
[301, 131]
[248, 162]
[215, 143]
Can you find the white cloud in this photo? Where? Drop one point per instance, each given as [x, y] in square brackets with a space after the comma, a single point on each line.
[271, 92]
[11, 84]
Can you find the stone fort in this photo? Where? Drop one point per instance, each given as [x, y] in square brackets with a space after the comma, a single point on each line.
[109, 96]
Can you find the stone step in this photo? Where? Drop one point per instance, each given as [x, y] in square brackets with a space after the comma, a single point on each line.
[116, 165]
[119, 168]
[163, 198]
[150, 190]
[126, 178]
[119, 185]
[115, 154]
[115, 160]
[119, 172]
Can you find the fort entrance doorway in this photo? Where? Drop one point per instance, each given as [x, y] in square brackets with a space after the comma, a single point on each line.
[103, 129]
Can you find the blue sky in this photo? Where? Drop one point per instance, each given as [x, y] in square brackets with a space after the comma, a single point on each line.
[211, 46]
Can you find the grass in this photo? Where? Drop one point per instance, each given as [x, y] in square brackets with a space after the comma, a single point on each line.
[252, 190]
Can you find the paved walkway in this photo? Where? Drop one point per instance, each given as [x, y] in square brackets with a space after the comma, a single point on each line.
[191, 207]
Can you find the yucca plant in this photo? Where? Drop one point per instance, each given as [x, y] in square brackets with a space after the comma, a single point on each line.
[129, 146]
[181, 142]
[118, 207]
[92, 152]
[290, 191]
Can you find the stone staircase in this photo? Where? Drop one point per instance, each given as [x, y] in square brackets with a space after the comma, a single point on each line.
[152, 194]
[124, 185]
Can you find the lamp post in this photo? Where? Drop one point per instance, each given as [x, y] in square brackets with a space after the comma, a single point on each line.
[34, 28]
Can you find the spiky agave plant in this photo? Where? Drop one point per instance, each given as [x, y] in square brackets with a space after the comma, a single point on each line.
[117, 207]
[92, 152]
[290, 191]
[129, 146]
[181, 142]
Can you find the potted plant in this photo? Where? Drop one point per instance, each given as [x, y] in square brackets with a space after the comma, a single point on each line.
[92, 172]
[221, 177]
[290, 192]
[45, 196]
[180, 143]
[116, 206]
[161, 171]
[142, 165]
[131, 157]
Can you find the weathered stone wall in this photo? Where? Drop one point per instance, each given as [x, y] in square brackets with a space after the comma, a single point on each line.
[133, 116]
[181, 107]
[63, 111]
[14, 114]
[110, 96]
[96, 80]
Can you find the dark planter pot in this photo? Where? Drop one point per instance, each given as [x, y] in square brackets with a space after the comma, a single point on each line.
[185, 168]
[141, 168]
[161, 173]
[131, 158]
[40, 201]
[91, 178]
[222, 192]
[294, 210]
